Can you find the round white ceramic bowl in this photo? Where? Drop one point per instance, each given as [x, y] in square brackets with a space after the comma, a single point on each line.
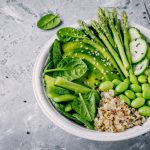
[63, 122]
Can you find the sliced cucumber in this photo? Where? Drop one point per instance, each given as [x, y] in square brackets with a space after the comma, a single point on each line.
[134, 33]
[141, 67]
[138, 48]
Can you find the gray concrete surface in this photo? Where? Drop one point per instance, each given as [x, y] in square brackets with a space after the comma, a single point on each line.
[23, 126]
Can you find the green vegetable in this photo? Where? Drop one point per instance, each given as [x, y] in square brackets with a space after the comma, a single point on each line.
[125, 99]
[134, 33]
[138, 102]
[85, 105]
[148, 102]
[148, 52]
[77, 88]
[127, 81]
[84, 121]
[130, 94]
[61, 109]
[68, 107]
[117, 39]
[116, 82]
[106, 86]
[146, 92]
[136, 88]
[144, 111]
[64, 98]
[145, 86]
[138, 94]
[69, 68]
[149, 79]
[142, 78]
[57, 56]
[133, 79]
[123, 86]
[147, 72]
[48, 22]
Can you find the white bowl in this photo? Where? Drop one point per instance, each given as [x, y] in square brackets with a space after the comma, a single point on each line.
[62, 121]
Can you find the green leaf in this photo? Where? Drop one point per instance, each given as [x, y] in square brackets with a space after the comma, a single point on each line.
[85, 106]
[57, 56]
[89, 125]
[48, 22]
[70, 34]
[69, 68]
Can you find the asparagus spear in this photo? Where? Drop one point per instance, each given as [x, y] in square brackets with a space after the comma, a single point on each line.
[117, 39]
[126, 45]
[110, 48]
[104, 27]
[117, 24]
[89, 32]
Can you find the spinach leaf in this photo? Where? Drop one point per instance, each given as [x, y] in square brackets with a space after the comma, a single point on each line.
[57, 56]
[70, 34]
[61, 109]
[85, 105]
[49, 21]
[89, 125]
[69, 68]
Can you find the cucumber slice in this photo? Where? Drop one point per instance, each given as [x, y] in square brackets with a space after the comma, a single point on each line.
[138, 48]
[134, 33]
[141, 67]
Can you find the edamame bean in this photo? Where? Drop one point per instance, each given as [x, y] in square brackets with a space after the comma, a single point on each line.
[142, 78]
[116, 93]
[116, 82]
[106, 86]
[146, 93]
[136, 88]
[145, 86]
[130, 94]
[127, 81]
[148, 102]
[149, 79]
[121, 87]
[139, 94]
[133, 79]
[144, 111]
[138, 102]
[125, 99]
[147, 72]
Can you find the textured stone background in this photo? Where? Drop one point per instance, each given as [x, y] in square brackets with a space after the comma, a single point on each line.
[22, 124]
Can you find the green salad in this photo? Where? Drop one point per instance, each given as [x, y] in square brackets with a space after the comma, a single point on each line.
[86, 62]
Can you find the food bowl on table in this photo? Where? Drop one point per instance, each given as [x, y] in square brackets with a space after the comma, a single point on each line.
[66, 124]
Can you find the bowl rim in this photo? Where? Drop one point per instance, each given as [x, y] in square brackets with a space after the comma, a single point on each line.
[62, 121]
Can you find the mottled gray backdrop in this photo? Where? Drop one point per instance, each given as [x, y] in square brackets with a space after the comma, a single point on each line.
[23, 126]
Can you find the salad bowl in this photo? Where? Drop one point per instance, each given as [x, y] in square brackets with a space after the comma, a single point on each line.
[64, 123]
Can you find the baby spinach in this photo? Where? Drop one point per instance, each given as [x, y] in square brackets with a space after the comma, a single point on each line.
[61, 109]
[57, 56]
[48, 22]
[69, 68]
[85, 105]
[70, 34]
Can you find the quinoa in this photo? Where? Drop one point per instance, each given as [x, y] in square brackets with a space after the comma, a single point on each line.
[115, 116]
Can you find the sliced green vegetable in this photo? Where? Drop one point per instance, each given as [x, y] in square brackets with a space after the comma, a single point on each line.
[64, 98]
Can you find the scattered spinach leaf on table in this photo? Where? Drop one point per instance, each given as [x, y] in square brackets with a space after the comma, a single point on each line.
[48, 22]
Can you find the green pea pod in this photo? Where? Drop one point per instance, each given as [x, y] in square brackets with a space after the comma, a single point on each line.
[138, 102]
[123, 86]
[144, 111]
[135, 88]
[125, 99]
[106, 86]
[130, 94]
[142, 78]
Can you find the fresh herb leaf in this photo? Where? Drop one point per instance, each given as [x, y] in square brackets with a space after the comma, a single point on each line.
[48, 22]
[85, 105]
[69, 68]
[57, 56]
[70, 34]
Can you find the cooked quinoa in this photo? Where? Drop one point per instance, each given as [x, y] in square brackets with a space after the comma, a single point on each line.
[115, 116]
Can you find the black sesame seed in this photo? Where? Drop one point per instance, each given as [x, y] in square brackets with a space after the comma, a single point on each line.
[24, 101]
[137, 44]
[27, 132]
